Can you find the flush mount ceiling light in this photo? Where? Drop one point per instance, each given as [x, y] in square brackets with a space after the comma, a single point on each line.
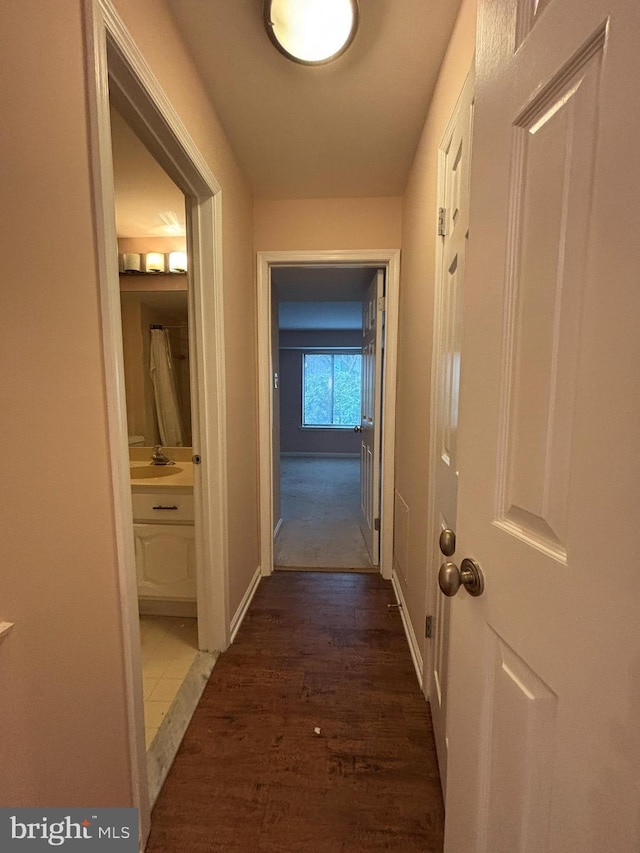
[311, 32]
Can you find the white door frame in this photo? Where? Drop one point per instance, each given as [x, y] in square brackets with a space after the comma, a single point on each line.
[389, 260]
[115, 63]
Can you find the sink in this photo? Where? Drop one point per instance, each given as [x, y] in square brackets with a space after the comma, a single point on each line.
[153, 472]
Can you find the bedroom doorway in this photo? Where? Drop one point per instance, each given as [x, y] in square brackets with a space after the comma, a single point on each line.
[313, 479]
[319, 321]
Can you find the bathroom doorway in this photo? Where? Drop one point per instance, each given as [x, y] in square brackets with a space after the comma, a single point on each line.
[119, 77]
[154, 302]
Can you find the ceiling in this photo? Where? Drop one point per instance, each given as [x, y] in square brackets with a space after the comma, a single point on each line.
[321, 284]
[320, 297]
[319, 315]
[147, 202]
[346, 129]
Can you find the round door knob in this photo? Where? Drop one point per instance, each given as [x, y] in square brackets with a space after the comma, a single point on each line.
[357, 429]
[447, 542]
[469, 575]
[449, 579]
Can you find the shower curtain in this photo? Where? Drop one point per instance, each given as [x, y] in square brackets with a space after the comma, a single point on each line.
[164, 386]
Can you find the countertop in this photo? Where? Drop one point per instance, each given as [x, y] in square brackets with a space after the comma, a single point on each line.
[180, 478]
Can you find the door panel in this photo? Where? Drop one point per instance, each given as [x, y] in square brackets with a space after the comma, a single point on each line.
[455, 152]
[522, 711]
[544, 748]
[554, 148]
[165, 560]
[370, 424]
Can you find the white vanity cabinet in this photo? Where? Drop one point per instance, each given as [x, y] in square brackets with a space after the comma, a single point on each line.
[165, 545]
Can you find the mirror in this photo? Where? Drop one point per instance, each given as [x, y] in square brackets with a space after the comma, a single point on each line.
[142, 309]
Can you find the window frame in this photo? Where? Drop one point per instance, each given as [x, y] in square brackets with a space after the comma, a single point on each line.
[332, 351]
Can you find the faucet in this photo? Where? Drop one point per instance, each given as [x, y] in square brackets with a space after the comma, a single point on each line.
[159, 458]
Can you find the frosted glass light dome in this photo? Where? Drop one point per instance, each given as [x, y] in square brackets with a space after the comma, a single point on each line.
[311, 31]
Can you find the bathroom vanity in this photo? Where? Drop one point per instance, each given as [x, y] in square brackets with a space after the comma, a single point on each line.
[163, 515]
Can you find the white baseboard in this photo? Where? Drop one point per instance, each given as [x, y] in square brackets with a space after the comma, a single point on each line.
[321, 455]
[412, 640]
[244, 604]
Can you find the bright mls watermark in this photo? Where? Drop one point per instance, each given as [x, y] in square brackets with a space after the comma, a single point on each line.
[102, 830]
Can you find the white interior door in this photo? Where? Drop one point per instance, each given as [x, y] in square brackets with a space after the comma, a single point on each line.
[455, 151]
[544, 680]
[371, 421]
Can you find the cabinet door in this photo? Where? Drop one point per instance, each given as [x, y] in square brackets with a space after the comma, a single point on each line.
[165, 560]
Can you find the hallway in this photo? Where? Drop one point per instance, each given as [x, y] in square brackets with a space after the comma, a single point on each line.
[312, 734]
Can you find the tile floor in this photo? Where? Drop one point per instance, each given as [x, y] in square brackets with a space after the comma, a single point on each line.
[169, 647]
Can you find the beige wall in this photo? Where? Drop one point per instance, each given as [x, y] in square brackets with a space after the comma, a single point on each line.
[329, 223]
[63, 736]
[416, 313]
[62, 725]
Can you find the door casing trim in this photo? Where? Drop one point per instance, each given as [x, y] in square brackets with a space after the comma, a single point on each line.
[115, 62]
[389, 260]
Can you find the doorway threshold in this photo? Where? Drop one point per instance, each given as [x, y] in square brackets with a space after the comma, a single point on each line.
[164, 747]
[367, 570]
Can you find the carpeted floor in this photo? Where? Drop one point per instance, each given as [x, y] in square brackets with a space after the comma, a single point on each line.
[312, 735]
[320, 499]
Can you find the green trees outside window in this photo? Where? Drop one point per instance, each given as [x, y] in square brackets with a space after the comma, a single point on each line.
[331, 389]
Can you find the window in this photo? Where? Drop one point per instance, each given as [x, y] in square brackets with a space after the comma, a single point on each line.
[331, 389]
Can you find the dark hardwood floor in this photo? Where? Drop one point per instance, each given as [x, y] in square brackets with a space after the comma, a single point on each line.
[316, 651]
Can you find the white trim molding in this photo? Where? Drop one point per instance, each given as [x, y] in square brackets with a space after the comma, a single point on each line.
[412, 640]
[389, 260]
[306, 454]
[247, 598]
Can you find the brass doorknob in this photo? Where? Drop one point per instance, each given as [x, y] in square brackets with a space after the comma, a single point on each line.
[469, 575]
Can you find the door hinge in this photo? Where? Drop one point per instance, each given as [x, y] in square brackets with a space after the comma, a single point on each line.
[381, 303]
[441, 228]
[376, 524]
[428, 627]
